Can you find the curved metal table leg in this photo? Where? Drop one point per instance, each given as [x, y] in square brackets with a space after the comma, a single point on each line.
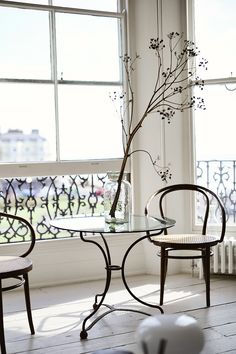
[124, 280]
[107, 258]
[96, 306]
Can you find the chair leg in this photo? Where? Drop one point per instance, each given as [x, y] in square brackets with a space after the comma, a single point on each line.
[27, 302]
[2, 335]
[164, 264]
[206, 271]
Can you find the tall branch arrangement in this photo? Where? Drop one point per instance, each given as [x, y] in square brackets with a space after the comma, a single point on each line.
[170, 93]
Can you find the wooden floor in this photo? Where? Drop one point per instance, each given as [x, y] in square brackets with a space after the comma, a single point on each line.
[58, 313]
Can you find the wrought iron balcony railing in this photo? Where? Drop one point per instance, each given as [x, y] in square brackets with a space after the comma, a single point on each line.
[220, 176]
[43, 198]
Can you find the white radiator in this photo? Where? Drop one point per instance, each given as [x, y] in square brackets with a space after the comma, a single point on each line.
[223, 260]
[224, 257]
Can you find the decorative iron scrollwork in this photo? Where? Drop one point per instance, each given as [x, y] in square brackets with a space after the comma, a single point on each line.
[43, 198]
[220, 176]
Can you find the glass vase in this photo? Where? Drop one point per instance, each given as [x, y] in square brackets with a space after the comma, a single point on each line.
[124, 205]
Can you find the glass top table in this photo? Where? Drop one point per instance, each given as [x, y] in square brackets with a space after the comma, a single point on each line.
[143, 226]
[97, 224]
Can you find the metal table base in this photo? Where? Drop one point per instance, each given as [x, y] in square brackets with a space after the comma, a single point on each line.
[109, 269]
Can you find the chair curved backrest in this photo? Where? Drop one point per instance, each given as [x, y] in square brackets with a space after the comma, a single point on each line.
[208, 196]
[24, 223]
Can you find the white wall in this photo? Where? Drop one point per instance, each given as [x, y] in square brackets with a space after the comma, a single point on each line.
[71, 260]
[150, 19]
[169, 141]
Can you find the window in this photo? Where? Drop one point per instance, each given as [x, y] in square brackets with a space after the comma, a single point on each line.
[59, 130]
[215, 34]
[58, 65]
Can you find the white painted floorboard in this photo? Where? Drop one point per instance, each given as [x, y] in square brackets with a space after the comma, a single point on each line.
[58, 313]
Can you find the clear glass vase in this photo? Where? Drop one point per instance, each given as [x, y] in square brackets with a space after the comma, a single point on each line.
[124, 205]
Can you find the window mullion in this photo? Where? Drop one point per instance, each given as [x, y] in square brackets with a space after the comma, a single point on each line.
[53, 51]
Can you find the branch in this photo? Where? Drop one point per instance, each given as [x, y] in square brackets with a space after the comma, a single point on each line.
[163, 172]
[169, 83]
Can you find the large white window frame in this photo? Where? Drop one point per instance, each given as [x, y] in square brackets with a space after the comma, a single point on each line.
[67, 167]
[208, 83]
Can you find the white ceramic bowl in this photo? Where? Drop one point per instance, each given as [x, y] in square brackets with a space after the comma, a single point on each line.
[169, 334]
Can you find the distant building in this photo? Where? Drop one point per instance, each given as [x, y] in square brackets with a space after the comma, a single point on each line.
[16, 146]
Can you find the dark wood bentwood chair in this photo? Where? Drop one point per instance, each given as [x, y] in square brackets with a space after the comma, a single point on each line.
[15, 267]
[201, 242]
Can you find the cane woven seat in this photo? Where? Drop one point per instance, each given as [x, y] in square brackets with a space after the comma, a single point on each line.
[199, 244]
[185, 239]
[11, 266]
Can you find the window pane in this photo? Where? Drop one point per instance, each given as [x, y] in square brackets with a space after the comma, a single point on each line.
[215, 127]
[25, 47]
[27, 125]
[87, 48]
[89, 125]
[103, 5]
[215, 151]
[215, 34]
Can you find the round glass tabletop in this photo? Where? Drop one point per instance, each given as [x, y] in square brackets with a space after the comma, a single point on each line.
[97, 224]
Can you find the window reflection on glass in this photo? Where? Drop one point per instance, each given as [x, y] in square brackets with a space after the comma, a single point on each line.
[27, 125]
[89, 127]
[215, 34]
[25, 46]
[87, 48]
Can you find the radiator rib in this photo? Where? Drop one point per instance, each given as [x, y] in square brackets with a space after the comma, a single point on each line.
[224, 258]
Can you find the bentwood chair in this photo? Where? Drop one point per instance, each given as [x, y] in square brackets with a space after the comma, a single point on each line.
[191, 243]
[15, 268]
